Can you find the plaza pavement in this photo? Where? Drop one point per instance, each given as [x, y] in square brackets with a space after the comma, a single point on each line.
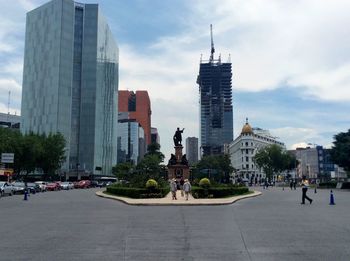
[181, 200]
[78, 225]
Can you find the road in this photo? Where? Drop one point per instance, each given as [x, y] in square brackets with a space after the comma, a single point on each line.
[78, 225]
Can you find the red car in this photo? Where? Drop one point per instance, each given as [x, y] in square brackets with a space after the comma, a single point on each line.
[52, 187]
[84, 184]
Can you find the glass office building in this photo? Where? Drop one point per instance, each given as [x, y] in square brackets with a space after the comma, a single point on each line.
[131, 141]
[216, 116]
[70, 82]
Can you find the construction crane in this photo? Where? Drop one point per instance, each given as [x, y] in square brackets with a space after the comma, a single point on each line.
[212, 44]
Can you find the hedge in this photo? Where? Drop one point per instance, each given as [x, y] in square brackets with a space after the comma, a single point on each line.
[218, 192]
[330, 184]
[138, 192]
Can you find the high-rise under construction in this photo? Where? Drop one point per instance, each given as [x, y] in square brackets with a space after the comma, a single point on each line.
[216, 116]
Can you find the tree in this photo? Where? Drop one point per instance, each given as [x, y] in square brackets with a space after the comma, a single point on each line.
[154, 149]
[340, 152]
[273, 159]
[215, 167]
[123, 170]
[53, 153]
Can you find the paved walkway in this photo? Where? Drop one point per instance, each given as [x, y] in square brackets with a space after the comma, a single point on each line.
[180, 200]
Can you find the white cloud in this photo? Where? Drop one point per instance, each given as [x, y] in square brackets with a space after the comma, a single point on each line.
[303, 44]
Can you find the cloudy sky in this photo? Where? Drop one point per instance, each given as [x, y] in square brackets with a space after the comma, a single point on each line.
[291, 61]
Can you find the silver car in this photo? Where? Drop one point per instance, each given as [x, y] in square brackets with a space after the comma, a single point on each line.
[5, 188]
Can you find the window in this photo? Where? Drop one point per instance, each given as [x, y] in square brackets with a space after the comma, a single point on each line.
[247, 166]
[246, 151]
[246, 143]
[246, 159]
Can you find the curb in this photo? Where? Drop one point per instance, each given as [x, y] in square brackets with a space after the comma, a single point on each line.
[194, 202]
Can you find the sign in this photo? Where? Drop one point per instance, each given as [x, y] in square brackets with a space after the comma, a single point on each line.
[6, 172]
[7, 157]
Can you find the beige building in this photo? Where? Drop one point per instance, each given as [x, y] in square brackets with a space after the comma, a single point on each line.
[243, 149]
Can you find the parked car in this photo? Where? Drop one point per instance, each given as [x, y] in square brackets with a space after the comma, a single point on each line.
[52, 186]
[67, 185]
[94, 183]
[33, 187]
[5, 188]
[18, 187]
[101, 184]
[42, 185]
[84, 184]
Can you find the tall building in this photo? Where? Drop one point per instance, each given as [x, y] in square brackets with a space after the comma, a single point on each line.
[192, 150]
[139, 107]
[131, 141]
[243, 149]
[216, 116]
[70, 83]
[155, 138]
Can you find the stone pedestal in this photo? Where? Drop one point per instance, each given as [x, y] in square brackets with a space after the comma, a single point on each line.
[178, 166]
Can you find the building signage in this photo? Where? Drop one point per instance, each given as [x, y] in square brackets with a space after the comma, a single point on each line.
[7, 157]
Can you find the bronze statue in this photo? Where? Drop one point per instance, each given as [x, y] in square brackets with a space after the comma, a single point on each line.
[172, 160]
[177, 136]
[184, 160]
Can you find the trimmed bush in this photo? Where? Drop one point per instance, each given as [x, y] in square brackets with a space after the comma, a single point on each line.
[137, 192]
[151, 184]
[330, 184]
[204, 183]
[218, 192]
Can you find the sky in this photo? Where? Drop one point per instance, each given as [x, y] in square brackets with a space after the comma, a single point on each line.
[290, 59]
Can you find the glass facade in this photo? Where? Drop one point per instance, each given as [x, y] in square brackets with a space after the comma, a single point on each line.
[131, 142]
[216, 114]
[70, 82]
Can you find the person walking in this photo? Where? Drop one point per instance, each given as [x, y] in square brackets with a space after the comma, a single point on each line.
[305, 186]
[182, 182]
[291, 185]
[295, 184]
[187, 188]
[173, 188]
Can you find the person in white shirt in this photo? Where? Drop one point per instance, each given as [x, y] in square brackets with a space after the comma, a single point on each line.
[187, 188]
[305, 186]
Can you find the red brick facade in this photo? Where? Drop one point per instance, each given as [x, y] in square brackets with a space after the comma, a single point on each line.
[143, 112]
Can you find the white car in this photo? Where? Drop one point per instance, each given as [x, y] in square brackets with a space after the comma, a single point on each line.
[42, 185]
[67, 185]
[5, 188]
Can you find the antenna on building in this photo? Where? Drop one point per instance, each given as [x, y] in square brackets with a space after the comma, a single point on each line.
[212, 44]
[201, 58]
[8, 106]
[229, 58]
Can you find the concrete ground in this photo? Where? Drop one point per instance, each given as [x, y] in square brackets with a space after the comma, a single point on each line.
[78, 225]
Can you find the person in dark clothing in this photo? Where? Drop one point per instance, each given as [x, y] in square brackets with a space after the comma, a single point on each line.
[305, 186]
[295, 184]
[291, 185]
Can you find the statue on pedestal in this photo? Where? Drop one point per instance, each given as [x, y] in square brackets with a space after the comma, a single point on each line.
[177, 137]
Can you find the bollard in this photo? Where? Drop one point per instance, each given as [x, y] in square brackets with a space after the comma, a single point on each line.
[331, 200]
[25, 195]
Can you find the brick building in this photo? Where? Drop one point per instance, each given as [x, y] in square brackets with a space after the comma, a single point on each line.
[139, 107]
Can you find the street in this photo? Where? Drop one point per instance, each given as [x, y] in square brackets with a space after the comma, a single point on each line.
[78, 225]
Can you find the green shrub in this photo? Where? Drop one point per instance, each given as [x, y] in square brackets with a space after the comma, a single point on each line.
[137, 192]
[151, 184]
[218, 192]
[330, 184]
[204, 183]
